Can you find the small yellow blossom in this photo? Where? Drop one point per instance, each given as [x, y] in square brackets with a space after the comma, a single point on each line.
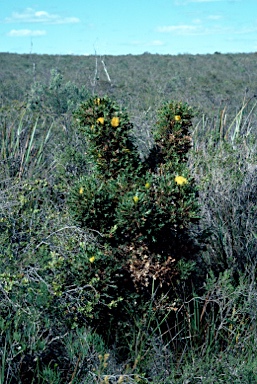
[147, 185]
[106, 356]
[92, 259]
[97, 101]
[177, 117]
[180, 180]
[100, 120]
[135, 198]
[81, 190]
[115, 122]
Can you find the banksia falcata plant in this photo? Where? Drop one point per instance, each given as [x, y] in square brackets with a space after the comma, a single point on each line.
[141, 208]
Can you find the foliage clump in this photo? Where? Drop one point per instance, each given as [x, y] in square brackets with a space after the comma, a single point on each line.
[173, 137]
[142, 213]
[106, 128]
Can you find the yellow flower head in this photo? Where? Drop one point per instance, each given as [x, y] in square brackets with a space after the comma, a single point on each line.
[135, 198]
[147, 185]
[100, 120]
[115, 122]
[180, 180]
[92, 259]
[97, 101]
[106, 357]
[81, 190]
[177, 117]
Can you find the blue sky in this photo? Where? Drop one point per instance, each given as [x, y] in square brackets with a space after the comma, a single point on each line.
[119, 27]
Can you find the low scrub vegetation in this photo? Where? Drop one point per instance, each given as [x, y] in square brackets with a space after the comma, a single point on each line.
[127, 244]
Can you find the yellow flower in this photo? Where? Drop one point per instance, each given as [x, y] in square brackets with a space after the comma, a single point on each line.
[97, 101]
[147, 185]
[81, 190]
[135, 198]
[177, 117]
[180, 180]
[92, 259]
[106, 357]
[115, 122]
[100, 120]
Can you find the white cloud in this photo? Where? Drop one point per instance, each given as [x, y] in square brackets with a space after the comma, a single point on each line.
[29, 15]
[192, 30]
[180, 29]
[25, 33]
[157, 43]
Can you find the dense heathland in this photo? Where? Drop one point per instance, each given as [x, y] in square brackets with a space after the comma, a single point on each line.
[128, 258]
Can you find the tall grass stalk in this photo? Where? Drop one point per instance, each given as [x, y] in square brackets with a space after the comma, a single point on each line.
[21, 152]
[225, 129]
[240, 125]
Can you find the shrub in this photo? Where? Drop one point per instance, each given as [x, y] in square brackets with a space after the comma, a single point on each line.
[56, 98]
[142, 210]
